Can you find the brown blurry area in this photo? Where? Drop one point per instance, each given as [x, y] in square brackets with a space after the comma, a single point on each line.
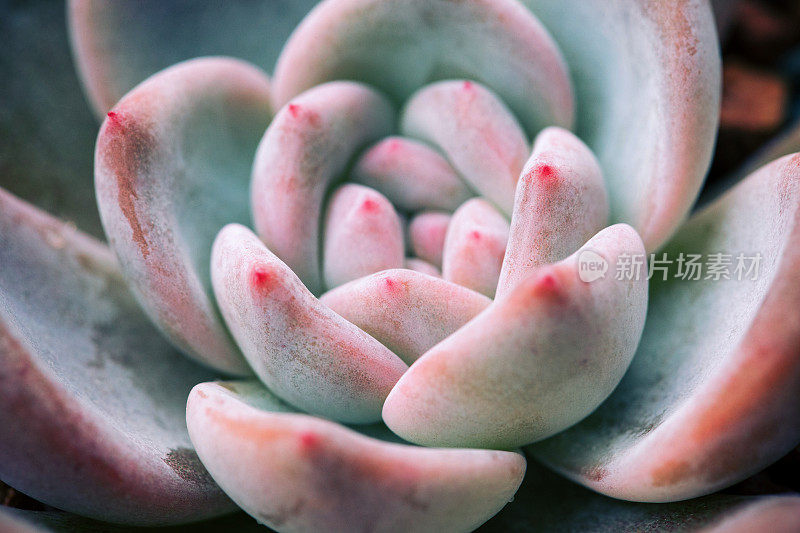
[760, 94]
[753, 100]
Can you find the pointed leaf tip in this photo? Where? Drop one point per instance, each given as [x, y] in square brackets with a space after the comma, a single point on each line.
[560, 202]
[305, 352]
[363, 234]
[533, 363]
[309, 143]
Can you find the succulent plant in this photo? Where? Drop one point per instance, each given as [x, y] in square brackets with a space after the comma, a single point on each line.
[359, 293]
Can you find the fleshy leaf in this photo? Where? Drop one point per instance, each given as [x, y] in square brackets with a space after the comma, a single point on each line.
[307, 146]
[171, 168]
[61, 522]
[474, 246]
[422, 266]
[475, 130]
[711, 396]
[400, 46]
[536, 361]
[294, 472]
[778, 514]
[412, 175]
[785, 143]
[407, 311]
[118, 44]
[546, 502]
[11, 523]
[363, 235]
[309, 355]
[647, 80]
[560, 203]
[93, 397]
[426, 234]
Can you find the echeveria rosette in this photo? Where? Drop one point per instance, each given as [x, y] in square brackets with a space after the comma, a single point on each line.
[454, 120]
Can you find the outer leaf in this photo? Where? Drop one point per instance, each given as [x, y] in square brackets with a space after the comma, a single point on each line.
[398, 46]
[61, 522]
[711, 396]
[787, 142]
[118, 44]
[11, 523]
[779, 514]
[647, 79]
[171, 168]
[305, 352]
[93, 398]
[299, 473]
[548, 503]
[533, 363]
[407, 311]
[306, 147]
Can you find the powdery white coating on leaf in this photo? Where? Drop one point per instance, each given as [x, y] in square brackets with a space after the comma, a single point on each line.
[310, 356]
[307, 146]
[560, 203]
[93, 397]
[711, 396]
[533, 363]
[363, 234]
[9, 523]
[422, 266]
[647, 77]
[474, 246]
[399, 46]
[548, 502]
[407, 311]
[477, 133]
[171, 168]
[118, 44]
[778, 514]
[412, 175]
[426, 234]
[294, 472]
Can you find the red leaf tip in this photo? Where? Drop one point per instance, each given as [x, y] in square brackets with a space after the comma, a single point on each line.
[370, 205]
[545, 173]
[308, 440]
[547, 285]
[261, 277]
[114, 118]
